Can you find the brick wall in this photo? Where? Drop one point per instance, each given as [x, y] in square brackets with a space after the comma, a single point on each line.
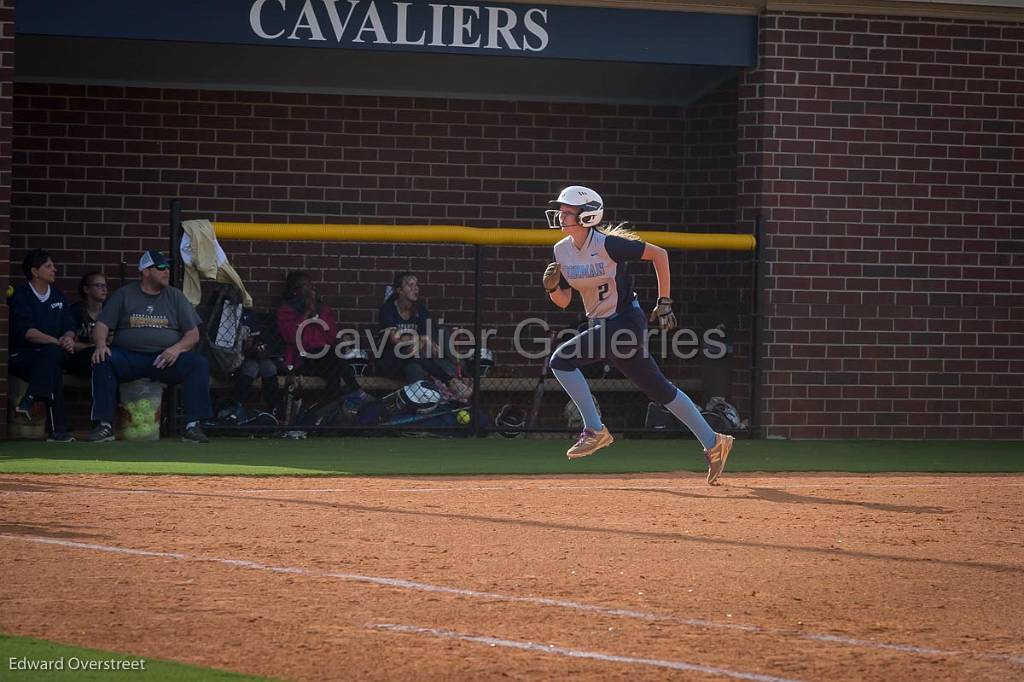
[95, 167]
[887, 156]
[6, 87]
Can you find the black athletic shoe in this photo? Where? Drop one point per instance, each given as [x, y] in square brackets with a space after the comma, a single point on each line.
[60, 438]
[194, 435]
[24, 407]
[103, 433]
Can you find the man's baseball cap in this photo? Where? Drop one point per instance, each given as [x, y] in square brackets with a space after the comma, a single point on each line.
[153, 259]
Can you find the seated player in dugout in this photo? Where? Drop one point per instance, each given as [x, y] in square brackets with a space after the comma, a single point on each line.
[308, 331]
[92, 295]
[261, 360]
[41, 336]
[592, 260]
[411, 353]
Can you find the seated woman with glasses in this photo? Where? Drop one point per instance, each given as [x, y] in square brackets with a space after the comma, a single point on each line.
[92, 294]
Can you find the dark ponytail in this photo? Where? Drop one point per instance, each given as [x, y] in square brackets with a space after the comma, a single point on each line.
[293, 282]
[396, 284]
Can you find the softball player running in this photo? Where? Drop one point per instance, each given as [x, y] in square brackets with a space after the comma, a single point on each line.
[592, 259]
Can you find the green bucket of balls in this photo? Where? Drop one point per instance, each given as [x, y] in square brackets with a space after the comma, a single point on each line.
[140, 410]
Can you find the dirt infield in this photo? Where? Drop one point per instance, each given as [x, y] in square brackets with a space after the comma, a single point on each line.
[599, 577]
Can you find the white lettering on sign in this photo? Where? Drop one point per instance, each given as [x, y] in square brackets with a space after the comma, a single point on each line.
[536, 29]
[437, 23]
[372, 23]
[464, 26]
[470, 27]
[256, 20]
[403, 26]
[337, 24]
[500, 22]
[307, 20]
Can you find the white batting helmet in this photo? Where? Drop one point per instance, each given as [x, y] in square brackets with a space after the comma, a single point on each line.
[590, 203]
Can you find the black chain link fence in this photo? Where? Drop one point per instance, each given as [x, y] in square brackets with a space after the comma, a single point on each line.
[364, 379]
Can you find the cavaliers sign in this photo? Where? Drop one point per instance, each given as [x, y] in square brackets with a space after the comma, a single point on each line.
[358, 22]
[471, 28]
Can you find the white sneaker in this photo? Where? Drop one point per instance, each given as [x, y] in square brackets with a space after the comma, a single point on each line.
[590, 441]
[716, 456]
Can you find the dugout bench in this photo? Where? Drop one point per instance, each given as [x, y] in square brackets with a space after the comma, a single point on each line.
[516, 390]
[487, 384]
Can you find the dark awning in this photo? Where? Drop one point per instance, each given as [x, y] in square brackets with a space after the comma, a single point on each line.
[535, 52]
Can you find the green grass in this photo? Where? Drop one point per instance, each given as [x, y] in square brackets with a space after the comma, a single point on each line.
[37, 650]
[430, 456]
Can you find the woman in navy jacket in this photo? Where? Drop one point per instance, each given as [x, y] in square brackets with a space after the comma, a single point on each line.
[42, 333]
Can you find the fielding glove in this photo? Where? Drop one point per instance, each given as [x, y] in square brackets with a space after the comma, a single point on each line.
[552, 276]
[663, 315]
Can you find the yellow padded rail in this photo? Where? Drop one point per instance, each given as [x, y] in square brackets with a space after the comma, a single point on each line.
[457, 234]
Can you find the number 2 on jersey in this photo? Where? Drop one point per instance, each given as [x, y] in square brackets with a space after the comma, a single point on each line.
[602, 292]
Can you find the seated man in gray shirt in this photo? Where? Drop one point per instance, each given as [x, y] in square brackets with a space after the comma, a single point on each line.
[155, 329]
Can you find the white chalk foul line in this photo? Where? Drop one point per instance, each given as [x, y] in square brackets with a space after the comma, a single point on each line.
[738, 485]
[577, 653]
[543, 601]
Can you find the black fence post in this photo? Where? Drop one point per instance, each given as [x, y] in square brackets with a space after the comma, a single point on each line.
[174, 229]
[177, 276]
[755, 333]
[478, 257]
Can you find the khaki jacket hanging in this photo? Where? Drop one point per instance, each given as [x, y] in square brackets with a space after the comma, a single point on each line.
[204, 259]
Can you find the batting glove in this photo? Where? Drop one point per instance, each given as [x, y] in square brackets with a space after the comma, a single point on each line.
[552, 276]
[663, 315]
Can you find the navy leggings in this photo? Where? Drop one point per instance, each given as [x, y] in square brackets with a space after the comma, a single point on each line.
[42, 366]
[622, 341]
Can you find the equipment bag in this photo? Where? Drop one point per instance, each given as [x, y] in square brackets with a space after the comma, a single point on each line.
[222, 333]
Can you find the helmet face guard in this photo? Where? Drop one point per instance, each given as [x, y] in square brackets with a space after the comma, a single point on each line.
[554, 217]
[587, 200]
[418, 397]
[358, 360]
[512, 418]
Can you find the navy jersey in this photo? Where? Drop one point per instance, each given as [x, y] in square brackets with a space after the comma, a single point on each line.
[52, 316]
[252, 325]
[388, 316]
[598, 272]
[83, 322]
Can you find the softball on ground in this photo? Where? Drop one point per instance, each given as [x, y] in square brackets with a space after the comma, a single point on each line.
[462, 416]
